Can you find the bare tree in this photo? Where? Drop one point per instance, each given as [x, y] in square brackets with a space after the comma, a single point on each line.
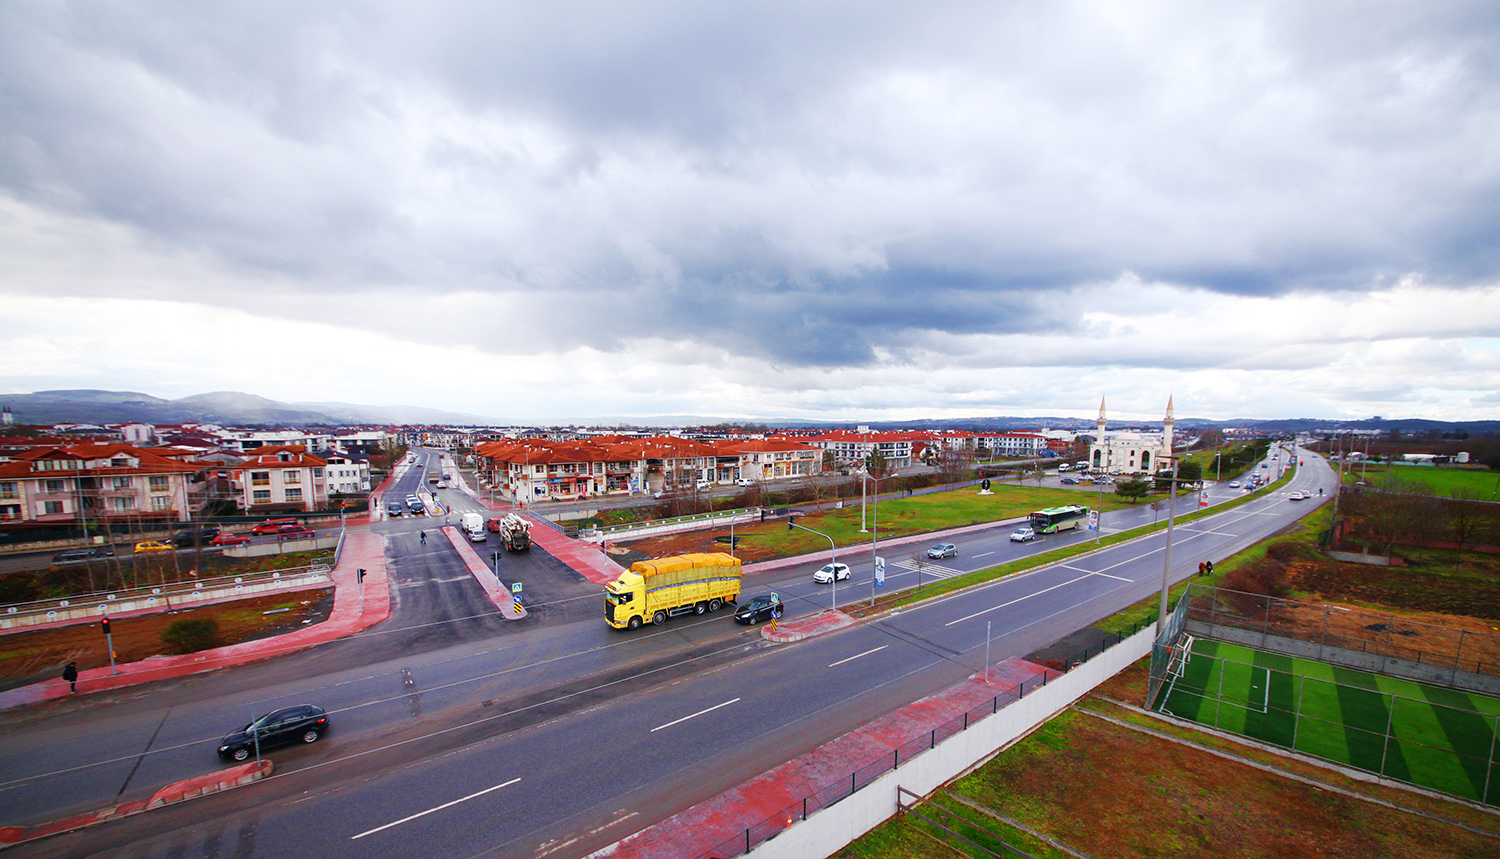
[1465, 520]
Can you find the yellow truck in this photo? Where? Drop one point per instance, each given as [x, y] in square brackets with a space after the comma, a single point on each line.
[652, 591]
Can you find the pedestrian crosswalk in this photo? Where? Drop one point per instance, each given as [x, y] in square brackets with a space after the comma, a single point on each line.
[929, 569]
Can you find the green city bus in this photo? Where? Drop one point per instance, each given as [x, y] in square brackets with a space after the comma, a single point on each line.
[1054, 519]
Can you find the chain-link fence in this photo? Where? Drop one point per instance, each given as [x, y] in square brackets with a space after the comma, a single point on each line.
[1161, 649]
[1369, 641]
[1442, 746]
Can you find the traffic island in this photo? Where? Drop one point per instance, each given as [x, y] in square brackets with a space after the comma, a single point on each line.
[499, 594]
[203, 785]
[806, 627]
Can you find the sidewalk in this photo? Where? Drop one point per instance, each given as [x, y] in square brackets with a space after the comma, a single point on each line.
[766, 799]
[355, 607]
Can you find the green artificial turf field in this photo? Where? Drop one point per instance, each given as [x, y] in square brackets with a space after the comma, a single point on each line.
[1431, 736]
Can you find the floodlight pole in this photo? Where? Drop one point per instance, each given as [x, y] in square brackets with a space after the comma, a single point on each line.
[832, 553]
[1166, 567]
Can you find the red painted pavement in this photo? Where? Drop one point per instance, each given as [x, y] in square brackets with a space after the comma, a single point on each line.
[723, 818]
[235, 776]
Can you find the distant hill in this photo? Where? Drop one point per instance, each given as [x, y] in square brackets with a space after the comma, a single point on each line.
[229, 408]
[233, 408]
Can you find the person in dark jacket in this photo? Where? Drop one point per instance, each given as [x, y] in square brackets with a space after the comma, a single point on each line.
[70, 674]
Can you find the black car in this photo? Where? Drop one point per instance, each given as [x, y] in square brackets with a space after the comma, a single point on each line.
[394, 509]
[759, 609]
[196, 537]
[78, 556]
[304, 723]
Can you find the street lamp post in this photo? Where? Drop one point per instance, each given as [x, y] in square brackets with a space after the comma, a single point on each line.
[832, 554]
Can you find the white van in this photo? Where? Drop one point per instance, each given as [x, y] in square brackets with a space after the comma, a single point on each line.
[473, 525]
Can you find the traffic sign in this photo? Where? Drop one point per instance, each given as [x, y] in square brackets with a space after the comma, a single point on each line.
[515, 589]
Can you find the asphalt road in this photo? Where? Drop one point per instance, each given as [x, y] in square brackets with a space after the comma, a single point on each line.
[563, 704]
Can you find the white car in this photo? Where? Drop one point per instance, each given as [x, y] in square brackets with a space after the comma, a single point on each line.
[830, 572]
[1298, 496]
[1234, 484]
[1022, 535]
[744, 481]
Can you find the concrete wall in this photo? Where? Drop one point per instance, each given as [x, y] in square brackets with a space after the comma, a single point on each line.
[831, 829]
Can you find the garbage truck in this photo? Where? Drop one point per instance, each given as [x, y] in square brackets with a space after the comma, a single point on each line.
[652, 591]
[515, 533]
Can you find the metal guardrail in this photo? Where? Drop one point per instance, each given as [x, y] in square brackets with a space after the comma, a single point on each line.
[162, 593]
[677, 520]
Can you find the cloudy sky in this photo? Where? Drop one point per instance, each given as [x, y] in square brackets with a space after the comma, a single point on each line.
[842, 211]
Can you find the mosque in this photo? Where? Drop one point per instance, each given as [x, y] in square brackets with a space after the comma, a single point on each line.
[1127, 452]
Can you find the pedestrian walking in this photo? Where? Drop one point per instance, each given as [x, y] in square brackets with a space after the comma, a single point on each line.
[70, 674]
[424, 538]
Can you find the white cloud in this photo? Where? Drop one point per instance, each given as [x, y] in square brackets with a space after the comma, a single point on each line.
[764, 209]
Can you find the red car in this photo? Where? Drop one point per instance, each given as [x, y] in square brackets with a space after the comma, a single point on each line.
[493, 523]
[292, 531]
[230, 540]
[273, 526]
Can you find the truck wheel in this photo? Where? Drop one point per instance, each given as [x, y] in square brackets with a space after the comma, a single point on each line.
[714, 604]
[700, 608]
[635, 622]
[659, 618]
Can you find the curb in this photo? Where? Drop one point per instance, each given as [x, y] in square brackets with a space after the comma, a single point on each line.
[203, 785]
[821, 623]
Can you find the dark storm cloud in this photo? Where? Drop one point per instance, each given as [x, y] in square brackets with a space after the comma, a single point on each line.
[809, 184]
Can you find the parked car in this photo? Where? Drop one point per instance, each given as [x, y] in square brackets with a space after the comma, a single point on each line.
[1069, 481]
[78, 556]
[151, 547]
[394, 508]
[830, 573]
[271, 526]
[196, 537]
[290, 532]
[744, 481]
[1022, 535]
[942, 550]
[231, 540]
[759, 609]
[304, 723]
[705, 484]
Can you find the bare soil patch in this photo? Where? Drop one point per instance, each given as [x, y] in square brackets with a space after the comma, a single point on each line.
[31, 657]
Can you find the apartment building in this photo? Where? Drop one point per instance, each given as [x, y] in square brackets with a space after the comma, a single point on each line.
[280, 479]
[57, 484]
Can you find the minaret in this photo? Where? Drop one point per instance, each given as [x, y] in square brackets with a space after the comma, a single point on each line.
[1100, 456]
[1166, 430]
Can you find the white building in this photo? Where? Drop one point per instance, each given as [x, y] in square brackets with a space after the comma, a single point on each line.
[1132, 451]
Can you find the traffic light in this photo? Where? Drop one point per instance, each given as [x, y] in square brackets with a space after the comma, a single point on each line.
[789, 524]
[104, 625]
[359, 575]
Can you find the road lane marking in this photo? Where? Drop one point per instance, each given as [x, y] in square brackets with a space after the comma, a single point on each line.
[694, 716]
[431, 810]
[983, 554]
[858, 655]
[1018, 599]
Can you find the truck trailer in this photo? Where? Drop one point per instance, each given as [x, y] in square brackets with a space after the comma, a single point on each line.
[652, 591]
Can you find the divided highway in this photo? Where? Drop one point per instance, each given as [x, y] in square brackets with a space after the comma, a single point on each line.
[556, 735]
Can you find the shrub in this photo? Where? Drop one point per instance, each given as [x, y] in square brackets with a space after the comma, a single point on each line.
[191, 636]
